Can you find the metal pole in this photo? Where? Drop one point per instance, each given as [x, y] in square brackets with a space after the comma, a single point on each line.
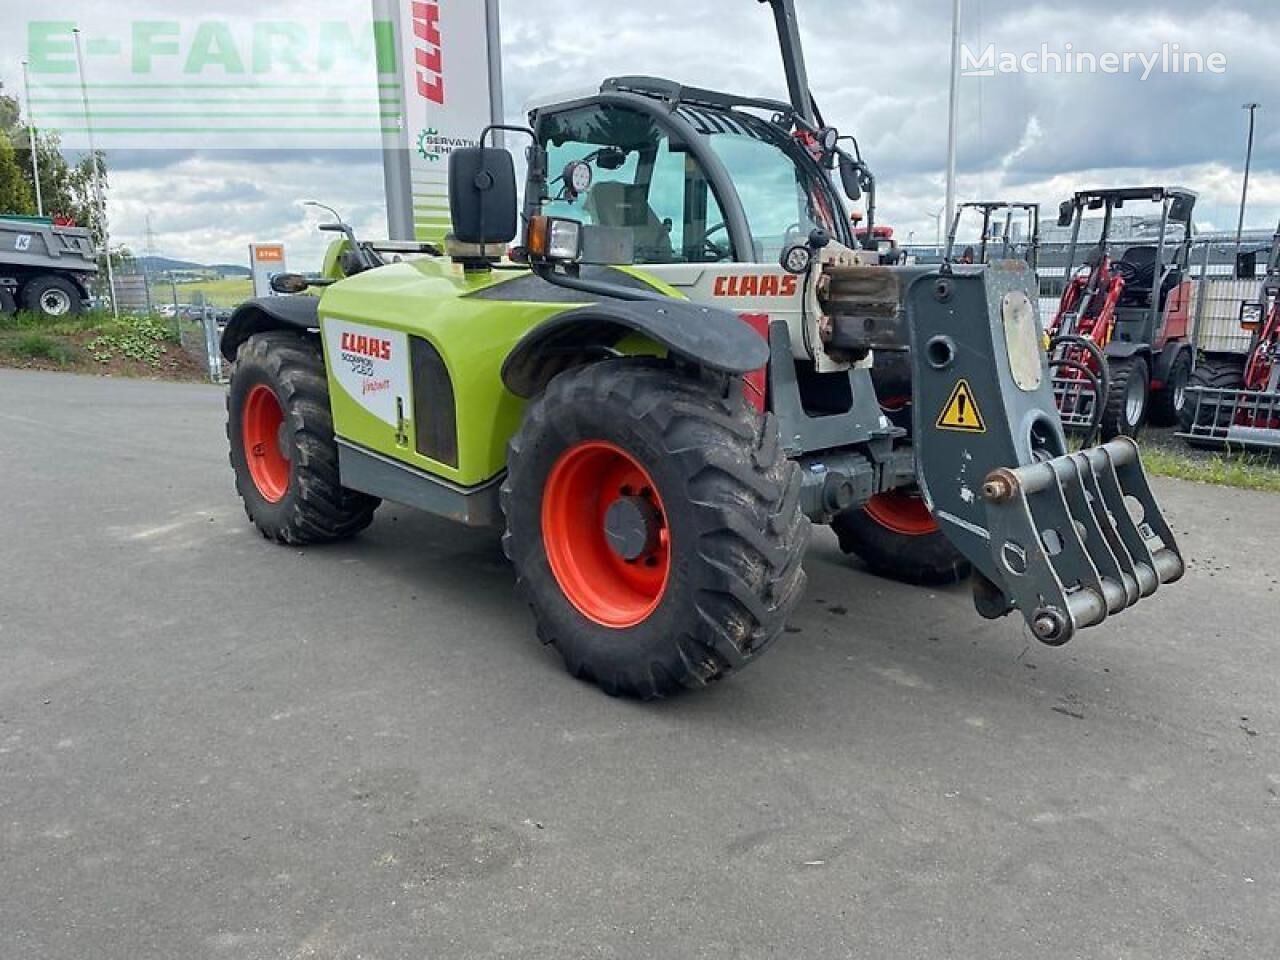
[497, 107]
[953, 121]
[99, 195]
[397, 170]
[31, 132]
[1248, 163]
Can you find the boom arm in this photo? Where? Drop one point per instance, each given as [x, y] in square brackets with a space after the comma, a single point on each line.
[784, 14]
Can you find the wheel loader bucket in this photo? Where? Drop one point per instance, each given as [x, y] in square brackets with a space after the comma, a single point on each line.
[1233, 418]
[1068, 539]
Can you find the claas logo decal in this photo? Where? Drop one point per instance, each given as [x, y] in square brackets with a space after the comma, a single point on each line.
[372, 347]
[768, 285]
[429, 55]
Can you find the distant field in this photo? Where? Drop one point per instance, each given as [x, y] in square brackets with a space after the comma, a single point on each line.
[222, 293]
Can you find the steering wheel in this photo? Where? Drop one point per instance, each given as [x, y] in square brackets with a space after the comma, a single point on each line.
[720, 253]
[1126, 271]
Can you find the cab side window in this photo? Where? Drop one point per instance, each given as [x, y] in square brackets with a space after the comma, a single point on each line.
[643, 182]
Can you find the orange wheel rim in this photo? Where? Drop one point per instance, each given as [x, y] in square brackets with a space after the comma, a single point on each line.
[612, 583]
[260, 428]
[902, 513]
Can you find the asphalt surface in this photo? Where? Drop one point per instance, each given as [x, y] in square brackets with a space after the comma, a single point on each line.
[215, 747]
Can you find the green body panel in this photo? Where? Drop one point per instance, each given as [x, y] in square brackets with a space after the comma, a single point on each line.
[428, 298]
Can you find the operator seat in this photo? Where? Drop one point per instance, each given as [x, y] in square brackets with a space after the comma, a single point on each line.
[1137, 293]
[614, 204]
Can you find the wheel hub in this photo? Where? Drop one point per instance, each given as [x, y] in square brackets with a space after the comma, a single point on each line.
[632, 525]
[606, 534]
[264, 429]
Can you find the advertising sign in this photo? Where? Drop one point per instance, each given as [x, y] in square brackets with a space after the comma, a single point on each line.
[451, 88]
[265, 260]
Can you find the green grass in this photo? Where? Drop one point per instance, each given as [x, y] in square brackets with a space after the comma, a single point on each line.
[1243, 471]
[64, 327]
[222, 293]
[38, 346]
[95, 337]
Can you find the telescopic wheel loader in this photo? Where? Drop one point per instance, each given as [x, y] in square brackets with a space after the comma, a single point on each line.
[1234, 400]
[669, 377]
[1010, 230]
[1121, 354]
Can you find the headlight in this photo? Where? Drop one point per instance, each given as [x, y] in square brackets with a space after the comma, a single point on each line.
[555, 239]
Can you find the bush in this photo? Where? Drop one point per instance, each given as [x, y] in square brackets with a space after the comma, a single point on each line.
[131, 338]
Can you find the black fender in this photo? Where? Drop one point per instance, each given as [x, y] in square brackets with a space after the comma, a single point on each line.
[1165, 359]
[1123, 350]
[269, 313]
[716, 339]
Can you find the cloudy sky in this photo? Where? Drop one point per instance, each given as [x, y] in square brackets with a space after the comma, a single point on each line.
[878, 68]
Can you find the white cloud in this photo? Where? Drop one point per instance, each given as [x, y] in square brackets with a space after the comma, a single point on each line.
[878, 69]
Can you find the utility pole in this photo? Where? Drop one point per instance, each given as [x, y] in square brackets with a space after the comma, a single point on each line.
[953, 120]
[1248, 164]
[31, 133]
[100, 197]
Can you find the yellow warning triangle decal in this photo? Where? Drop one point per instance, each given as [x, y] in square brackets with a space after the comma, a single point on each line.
[961, 412]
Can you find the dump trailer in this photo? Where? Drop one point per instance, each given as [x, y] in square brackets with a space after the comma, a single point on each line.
[44, 267]
[656, 377]
[1234, 399]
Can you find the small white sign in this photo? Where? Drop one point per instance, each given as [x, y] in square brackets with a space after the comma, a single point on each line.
[371, 366]
[266, 260]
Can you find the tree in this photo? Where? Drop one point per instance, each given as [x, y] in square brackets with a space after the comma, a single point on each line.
[65, 187]
[15, 192]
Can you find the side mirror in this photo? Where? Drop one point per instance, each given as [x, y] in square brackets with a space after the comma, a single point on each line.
[289, 283]
[482, 196]
[850, 179]
[1066, 213]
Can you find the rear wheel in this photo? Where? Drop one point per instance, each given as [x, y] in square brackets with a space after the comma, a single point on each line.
[1125, 412]
[895, 535]
[654, 526]
[282, 445]
[1169, 401]
[52, 297]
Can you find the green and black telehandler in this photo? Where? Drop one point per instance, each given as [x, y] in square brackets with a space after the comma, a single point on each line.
[669, 377]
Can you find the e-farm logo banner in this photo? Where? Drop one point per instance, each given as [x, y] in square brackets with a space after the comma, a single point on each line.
[196, 82]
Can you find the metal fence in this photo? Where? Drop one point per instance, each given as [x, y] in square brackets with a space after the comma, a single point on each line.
[199, 331]
[1223, 300]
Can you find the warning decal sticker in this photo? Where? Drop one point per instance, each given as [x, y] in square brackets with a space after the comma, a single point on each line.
[961, 412]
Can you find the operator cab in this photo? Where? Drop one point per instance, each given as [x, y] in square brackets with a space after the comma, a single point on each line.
[688, 176]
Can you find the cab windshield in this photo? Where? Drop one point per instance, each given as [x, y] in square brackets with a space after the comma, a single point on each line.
[784, 199]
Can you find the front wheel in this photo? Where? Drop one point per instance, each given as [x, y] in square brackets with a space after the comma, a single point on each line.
[897, 537]
[654, 525]
[1125, 412]
[283, 450]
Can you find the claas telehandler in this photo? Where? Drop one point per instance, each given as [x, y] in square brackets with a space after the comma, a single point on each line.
[656, 375]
